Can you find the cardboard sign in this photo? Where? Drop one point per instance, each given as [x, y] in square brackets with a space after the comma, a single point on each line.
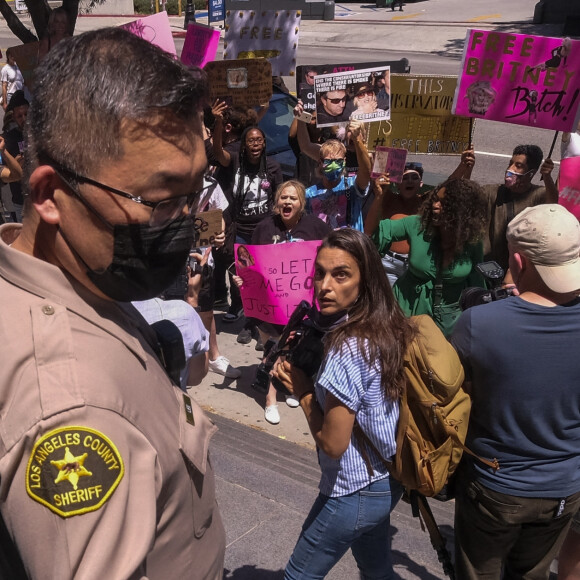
[155, 29]
[240, 82]
[200, 46]
[391, 161]
[305, 75]
[276, 279]
[216, 10]
[520, 78]
[350, 95]
[271, 34]
[569, 185]
[421, 119]
[26, 57]
[208, 225]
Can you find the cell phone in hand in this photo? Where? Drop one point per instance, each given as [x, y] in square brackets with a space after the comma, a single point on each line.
[305, 117]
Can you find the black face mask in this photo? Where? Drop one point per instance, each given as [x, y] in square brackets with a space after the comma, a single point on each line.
[146, 259]
[327, 322]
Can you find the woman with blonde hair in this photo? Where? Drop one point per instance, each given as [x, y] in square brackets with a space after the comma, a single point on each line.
[289, 223]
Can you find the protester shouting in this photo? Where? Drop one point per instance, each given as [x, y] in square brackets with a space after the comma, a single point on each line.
[289, 223]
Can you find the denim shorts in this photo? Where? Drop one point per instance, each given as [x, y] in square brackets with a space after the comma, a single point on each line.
[394, 267]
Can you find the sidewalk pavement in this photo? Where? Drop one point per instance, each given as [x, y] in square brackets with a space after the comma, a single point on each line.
[267, 478]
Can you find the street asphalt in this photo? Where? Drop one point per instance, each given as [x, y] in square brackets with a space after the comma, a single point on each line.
[267, 475]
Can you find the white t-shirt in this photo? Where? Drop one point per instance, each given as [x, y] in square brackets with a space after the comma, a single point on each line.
[12, 75]
[572, 148]
[195, 336]
[212, 196]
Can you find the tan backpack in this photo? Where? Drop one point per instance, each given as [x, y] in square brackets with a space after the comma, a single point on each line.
[434, 413]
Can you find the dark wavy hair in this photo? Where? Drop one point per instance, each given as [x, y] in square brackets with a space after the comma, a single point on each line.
[464, 212]
[382, 331]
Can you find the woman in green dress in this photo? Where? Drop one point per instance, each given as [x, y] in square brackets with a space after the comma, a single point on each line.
[445, 241]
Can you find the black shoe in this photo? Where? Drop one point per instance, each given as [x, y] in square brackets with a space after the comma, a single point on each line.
[259, 344]
[232, 316]
[245, 336]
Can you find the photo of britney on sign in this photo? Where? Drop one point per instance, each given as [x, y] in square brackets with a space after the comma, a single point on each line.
[362, 95]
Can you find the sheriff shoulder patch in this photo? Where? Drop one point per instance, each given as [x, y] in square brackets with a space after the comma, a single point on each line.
[73, 470]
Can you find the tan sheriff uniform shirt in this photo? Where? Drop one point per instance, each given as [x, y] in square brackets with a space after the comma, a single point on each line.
[104, 468]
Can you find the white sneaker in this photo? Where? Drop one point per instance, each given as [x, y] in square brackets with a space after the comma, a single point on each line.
[221, 366]
[292, 401]
[271, 414]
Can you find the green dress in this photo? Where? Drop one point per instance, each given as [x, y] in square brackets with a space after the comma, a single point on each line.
[414, 290]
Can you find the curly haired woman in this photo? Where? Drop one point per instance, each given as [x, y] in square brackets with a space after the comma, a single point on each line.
[445, 242]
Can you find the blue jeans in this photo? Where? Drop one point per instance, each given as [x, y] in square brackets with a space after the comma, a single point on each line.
[359, 521]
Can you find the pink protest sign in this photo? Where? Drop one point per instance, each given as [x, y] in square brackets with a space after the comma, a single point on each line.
[155, 29]
[520, 78]
[276, 278]
[200, 46]
[569, 185]
[389, 160]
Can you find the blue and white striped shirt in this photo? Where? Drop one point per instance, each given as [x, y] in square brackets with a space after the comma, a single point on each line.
[357, 385]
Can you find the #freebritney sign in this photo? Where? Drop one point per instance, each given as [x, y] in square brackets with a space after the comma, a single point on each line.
[520, 78]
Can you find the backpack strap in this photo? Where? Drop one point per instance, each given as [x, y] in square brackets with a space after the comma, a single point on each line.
[364, 444]
[421, 509]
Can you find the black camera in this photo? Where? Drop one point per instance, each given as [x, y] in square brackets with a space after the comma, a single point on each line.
[300, 344]
[474, 296]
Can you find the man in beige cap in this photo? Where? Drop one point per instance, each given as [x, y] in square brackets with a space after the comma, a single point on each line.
[104, 466]
[522, 369]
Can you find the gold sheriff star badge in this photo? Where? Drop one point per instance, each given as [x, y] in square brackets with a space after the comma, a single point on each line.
[57, 478]
[71, 468]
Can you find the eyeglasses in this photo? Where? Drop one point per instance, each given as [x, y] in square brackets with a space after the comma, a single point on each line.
[411, 177]
[364, 93]
[255, 141]
[336, 101]
[162, 212]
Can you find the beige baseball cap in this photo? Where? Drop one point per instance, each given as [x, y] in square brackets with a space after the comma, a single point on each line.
[549, 236]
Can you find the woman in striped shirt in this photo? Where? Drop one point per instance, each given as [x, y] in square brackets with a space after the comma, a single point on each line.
[359, 384]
